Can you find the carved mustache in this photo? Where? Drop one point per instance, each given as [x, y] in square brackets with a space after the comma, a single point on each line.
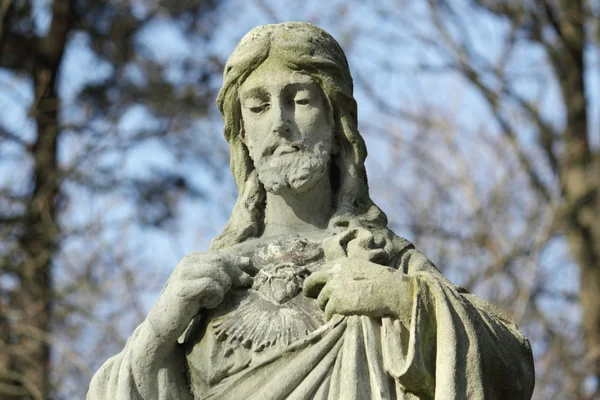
[278, 149]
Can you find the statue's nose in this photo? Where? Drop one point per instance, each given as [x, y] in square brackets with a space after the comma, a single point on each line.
[281, 127]
[281, 124]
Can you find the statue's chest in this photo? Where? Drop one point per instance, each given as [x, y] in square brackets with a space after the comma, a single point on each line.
[252, 324]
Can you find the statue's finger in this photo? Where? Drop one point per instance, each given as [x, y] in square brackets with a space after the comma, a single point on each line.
[208, 292]
[211, 295]
[239, 278]
[347, 235]
[315, 283]
[211, 270]
[357, 250]
[364, 236]
[324, 296]
[333, 248]
[245, 264]
[348, 301]
[243, 280]
[332, 308]
[361, 245]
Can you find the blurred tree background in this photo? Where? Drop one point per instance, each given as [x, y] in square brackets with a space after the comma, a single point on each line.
[481, 117]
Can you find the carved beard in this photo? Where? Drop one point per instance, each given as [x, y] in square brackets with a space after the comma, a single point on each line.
[298, 171]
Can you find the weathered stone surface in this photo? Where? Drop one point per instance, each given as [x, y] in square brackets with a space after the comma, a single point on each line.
[307, 294]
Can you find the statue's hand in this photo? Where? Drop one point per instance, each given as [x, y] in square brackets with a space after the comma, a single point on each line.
[200, 280]
[355, 243]
[352, 286]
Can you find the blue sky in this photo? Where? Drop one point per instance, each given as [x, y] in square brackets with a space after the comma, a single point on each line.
[380, 54]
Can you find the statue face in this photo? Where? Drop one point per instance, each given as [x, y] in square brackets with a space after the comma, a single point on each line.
[287, 127]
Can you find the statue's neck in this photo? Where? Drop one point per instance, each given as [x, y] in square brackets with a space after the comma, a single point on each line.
[289, 213]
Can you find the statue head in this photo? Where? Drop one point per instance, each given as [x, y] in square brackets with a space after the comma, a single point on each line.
[308, 50]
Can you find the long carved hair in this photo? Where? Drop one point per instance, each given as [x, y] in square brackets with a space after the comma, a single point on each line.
[309, 49]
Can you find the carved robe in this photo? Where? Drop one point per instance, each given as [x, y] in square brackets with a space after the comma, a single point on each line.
[267, 343]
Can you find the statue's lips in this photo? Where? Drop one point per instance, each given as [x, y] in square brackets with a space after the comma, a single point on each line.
[285, 149]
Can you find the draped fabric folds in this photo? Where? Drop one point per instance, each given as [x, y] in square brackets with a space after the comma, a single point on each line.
[127, 376]
[453, 349]
[456, 346]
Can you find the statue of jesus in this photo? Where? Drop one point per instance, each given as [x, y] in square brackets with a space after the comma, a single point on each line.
[307, 294]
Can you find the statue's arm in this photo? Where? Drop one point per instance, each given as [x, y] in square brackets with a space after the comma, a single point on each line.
[152, 364]
[438, 341]
[453, 341]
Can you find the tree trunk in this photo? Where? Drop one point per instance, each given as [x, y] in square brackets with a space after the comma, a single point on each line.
[33, 302]
[579, 174]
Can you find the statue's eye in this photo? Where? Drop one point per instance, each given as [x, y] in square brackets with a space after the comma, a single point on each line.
[258, 108]
[302, 101]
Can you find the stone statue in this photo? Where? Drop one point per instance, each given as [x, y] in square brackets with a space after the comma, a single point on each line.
[306, 294]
